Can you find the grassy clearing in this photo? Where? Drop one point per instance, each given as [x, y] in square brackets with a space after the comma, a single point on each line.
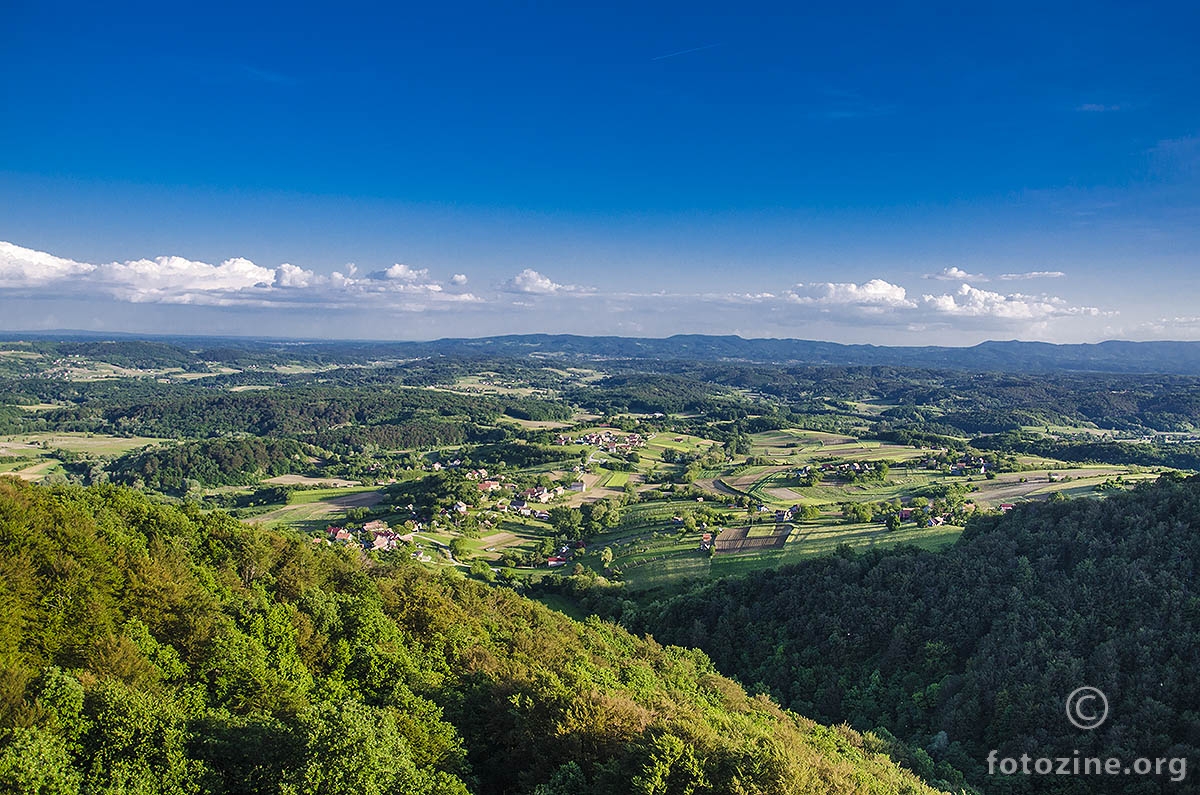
[333, 495]
[536, 425]
[316, 509]
[484, 384]
[616, 480]
[679, 442]
[304, 480]
[39, 471]
[84, 443]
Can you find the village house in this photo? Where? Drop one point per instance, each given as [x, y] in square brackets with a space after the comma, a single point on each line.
[538, 493]
[340, 534]
[384, 541]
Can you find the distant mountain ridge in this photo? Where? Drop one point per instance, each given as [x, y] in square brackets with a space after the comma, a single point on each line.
[1114, 356]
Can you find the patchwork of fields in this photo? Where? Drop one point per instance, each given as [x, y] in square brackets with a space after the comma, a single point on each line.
[660, 536]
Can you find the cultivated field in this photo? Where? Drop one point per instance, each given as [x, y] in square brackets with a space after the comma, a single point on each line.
[312, 510]
[304, 480]
[744, 539]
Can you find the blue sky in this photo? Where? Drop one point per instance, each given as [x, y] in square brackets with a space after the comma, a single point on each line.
[917, 174]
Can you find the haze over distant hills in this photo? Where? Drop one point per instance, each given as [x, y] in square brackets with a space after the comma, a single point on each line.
[1114, 356]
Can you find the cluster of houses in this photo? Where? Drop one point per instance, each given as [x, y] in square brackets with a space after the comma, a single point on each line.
[969, 466]
[965, 465]
[846, 469]
[782, 515]
[521, 506]
[606, 440]
[375, 535]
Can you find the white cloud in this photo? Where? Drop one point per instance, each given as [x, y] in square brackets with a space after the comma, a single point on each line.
[955, 274]
[234, 282]
[1097, 107]
[288, 275]
[178, 280]
[1008, 277]
[874, 310]
[875, 294]
[403, 273]
[534, 283]
[23, 267]
[972, 302]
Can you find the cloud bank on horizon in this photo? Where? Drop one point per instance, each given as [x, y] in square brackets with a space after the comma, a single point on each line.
[253, 298]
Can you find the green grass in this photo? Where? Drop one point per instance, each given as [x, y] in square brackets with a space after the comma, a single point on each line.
[670, 564]
[305, 496]
[687, 442]
[34, 469]
[900, 484]
[85, 443]
[616, 480]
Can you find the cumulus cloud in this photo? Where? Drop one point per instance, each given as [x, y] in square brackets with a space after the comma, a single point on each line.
[874, 294]
[972, 302]
[874, 307]
[402, 273]
[178, 280]
[955, 274]
[531, 282]
[1008, 277]
[23, 267]
[288, 275]
[234, 282]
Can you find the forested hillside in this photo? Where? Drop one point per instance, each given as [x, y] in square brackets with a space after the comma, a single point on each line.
[210, 462]
[976, 648]
[153, 649]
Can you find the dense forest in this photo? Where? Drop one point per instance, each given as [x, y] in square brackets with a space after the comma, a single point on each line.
[210, 462]
[327, 414]
[975, 648]
[154, 649]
